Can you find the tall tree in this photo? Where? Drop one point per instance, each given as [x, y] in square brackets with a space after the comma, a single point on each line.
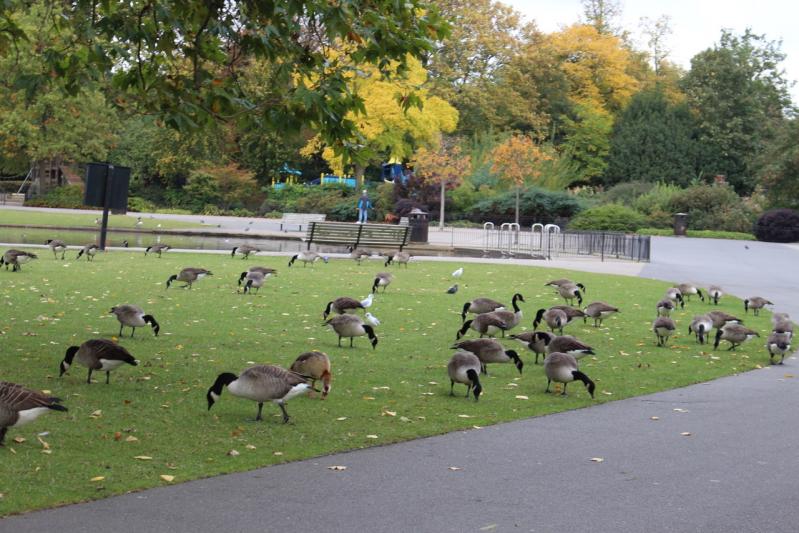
[740, 94]
[444, 166]
[518, 162]
[779, 171]
[602, 15]
[588, 141]
[656, 33]
[653, 140]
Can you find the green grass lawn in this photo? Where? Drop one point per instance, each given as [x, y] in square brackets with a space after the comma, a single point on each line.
[152, 420]
[68, 220]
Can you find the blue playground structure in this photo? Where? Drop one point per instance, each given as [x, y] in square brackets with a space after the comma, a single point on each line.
[393, 172]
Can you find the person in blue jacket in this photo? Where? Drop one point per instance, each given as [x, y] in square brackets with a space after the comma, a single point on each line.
[363, 207]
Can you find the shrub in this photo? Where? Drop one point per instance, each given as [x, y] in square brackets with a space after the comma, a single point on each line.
[68, 197]
[778, 225]
[699, 233]
[140, 205]
[241, 212]
[713, 207]
[610, 217]
[535, 205]
[211, 210]
[628, 192]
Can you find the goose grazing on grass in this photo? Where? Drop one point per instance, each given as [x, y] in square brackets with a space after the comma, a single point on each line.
[535, 341]
[20, 405]
[599, 311]
[489, 351]
[316, 366]
[16, 258]
[359, 254]
[97, 354]
[755, 303]
[485, 324]
[554, 318]
[261, 383]
[133, 316]
[572, 313]
[307, 257]
[562, 368]
[253, 279]
[245, 250]
[263, 270]
[663, 327]
[776, 318]
[785, 327]
[735, 334]
[675, 295]
[464, 367]
[778, 344]
[664, 307]
[563, 281]
[382, 279]
[90, 250]
[351, 326]
[714, 294]
[700, 326]
[188, 276]
[157, 249]
[401, 258]
[342, 305]
[479, 305]
[569, 345]
[720, 318]
[687, 290]
[569, 292]
[511, 318]
[57, 245]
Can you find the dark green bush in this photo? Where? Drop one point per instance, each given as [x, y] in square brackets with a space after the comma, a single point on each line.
[68, 197]
[610, 217]
[140, 205]
[535, 205]
[713, 207]
[778, 225]
[626, 193]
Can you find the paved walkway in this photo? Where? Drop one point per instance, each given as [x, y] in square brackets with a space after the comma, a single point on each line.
[737, 471]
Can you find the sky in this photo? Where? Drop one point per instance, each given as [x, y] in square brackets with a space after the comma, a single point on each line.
[696, 24]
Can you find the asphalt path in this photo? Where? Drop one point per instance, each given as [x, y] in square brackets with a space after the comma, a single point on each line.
[718, 458]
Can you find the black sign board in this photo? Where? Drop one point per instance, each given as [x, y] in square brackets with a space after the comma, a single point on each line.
[106, 187]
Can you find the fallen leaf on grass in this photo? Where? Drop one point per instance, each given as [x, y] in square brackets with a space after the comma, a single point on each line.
[233, 453]
[371, 436]
[19, 440]
[389, 413]
[250, 447]
[337, 468]
[341, 418]
[143, 458]
[167, 478]
[96, 414]
[521, 397]
[44, 444]
[464, 416]
[277, 453]
[98, 478]
[131, 438]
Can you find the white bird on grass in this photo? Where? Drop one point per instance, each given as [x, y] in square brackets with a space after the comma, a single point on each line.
[367, 302]
[458, 273]
[139, 222]
[372, 319]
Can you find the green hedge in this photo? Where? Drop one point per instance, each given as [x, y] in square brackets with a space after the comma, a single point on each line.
[702, 233]
[610, 217]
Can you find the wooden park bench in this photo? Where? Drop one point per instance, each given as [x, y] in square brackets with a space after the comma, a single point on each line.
[300, 219]
[348, 233]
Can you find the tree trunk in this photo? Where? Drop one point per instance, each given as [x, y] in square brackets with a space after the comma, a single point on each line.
[441, 215]
[359, 172]
[517, 203]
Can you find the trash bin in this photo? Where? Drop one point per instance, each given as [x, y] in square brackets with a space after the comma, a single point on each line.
[680, 224]
[419, 223]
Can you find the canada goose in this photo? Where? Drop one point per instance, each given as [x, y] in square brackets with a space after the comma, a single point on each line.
[755, 303]
[134, 317]
[714, 293]
[401, 258]
[97, 354]
[511, 318]
[254, 279]
[57, 245]
[555, 319]
[17, 258]
[464, 367]
[562, 368]
[458, 273]
[675, 295]
[720, 318]
[261, 383]
[352, 326]
[786, 327]
[570, 345]
[315, 365]
[664, 307]
[256, 272]
[479, 305]
[571, 312]
[776, 318]
[687, 290]
[307, 257]
[188, 276]
[736, 334]
[535, 341]
[700, 326]
[263, 270]
[663, 327]
[358, 254]
[382, 279]
[20, 405]
[563, 281]
[569, 292]
[778, 344]
[157, 249]
[245, 250]
[599, 311]
[90, 250]
[342, 305]
[484, 324]
[489, 351]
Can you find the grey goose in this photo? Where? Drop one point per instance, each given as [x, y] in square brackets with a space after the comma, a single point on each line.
[307, 257]
[535, 341]
[687, 290]
[569, 345]
[314, 366]
[485, 324]
[16, 258]
[401, 258]
[479, 305]
[341, 305]
[90, 250]
[756, 303]
[464, 367]
[351, 326]
[252, 279]
[188, 276]
[57, 245]
[97, 354]
[245, 250]
[562, 368]
[663, 327]
[157, 248]
[735, 334]
[778, 344]
[489, 351]
[133, 317]
[714, 293]
[260, 383]
[511, 318]
[599, 311]
[382, 279]
[700, 326]
[20, 405]
[556, 319]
